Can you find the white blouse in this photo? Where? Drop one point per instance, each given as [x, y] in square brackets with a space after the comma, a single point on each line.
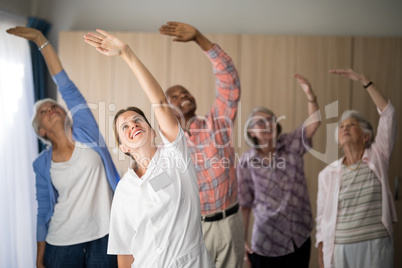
[157, 218]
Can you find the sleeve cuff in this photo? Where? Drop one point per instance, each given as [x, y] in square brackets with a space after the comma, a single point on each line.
[41, 233]
[306, 141]
[387, 110]
[177, 139]
[214, 51]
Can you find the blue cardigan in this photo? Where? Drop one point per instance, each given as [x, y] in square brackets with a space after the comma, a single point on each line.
[85, 130]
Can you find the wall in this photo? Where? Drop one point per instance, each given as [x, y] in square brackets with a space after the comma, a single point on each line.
[306, 17]
[266, 65]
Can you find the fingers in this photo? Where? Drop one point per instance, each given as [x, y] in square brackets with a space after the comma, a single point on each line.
[336, 71]
[341, 71]
[10, 31]
[248, 249]
[300, 78]
[15, 31]
[94, 37]
[92, 43]
[173, 23]
[168, 30]
[104, 33]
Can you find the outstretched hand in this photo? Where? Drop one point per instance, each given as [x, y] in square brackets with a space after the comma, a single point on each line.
[306, 86]
[351, 74]
[105, 43]
[182, 32]
[25, 32]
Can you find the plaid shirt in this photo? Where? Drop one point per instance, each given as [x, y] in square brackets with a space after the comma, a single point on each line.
[210, 138]
[277, 192]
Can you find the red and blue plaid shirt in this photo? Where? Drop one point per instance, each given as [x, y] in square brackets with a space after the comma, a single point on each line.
[210, 138]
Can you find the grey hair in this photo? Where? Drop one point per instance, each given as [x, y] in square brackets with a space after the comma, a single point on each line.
[35, 123]
[266, 111]
[366, 126]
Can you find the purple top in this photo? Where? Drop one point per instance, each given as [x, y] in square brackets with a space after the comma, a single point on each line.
[277, 193]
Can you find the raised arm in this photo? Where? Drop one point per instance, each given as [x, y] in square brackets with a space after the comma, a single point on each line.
[49, 54]
[110, 45]
[312, 106]
[184, 33]
[378, 98]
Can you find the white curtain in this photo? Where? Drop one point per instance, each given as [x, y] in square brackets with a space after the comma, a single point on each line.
[18, 149]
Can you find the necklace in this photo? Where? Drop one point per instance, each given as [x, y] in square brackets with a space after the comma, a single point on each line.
[353, 169]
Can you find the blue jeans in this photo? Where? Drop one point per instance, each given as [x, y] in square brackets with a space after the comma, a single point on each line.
[85, 255]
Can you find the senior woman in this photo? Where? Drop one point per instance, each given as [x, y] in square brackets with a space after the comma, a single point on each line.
[75, 176]
[272, 183]
[355, 210]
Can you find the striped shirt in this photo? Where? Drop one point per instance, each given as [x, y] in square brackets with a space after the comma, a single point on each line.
[210, 138]
[359, 206]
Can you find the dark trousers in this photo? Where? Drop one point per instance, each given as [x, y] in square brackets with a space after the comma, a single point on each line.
[90, 254]
[299, 258]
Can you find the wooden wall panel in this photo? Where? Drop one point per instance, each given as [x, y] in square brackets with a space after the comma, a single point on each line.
[267, 68]
[86, 68]
[381, 60]
[266, 65]
[191, 68]
[314, 57]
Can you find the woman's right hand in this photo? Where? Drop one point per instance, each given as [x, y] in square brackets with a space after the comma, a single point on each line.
[320, 256]
[247, 251]
[351, 74]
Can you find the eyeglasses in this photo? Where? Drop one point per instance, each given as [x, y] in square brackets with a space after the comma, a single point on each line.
[262, 121]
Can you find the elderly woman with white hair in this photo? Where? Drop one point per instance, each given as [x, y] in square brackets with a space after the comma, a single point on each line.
[75, 175]
[355, 210]
[272, 183]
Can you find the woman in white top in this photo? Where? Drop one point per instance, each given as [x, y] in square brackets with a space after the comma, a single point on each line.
[75, 175]
[156, 209]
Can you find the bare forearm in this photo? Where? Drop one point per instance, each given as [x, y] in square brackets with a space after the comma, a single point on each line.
[314, 120]
[124, 261]
[49, 54]
[163, 112]
[320, 256]
[40, 254]
[246, 218]
[376, 95]
[203, 42]
[144, 76]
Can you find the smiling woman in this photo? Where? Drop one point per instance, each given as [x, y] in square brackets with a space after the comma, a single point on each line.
[156, 213]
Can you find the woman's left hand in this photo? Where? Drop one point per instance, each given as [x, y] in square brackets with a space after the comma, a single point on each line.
[105, 43]
[25, 32]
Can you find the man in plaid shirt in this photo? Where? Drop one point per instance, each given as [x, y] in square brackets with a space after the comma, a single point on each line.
[210, 141]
